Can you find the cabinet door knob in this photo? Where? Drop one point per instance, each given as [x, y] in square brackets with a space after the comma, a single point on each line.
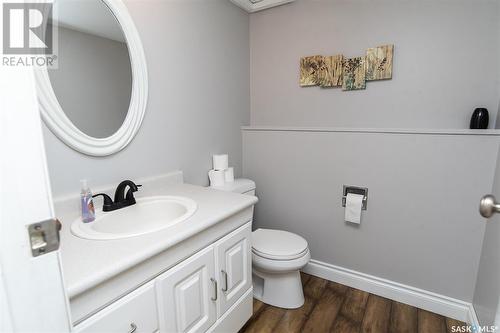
[224, 273]
[214, 283]
[488, 206]
[133, 328]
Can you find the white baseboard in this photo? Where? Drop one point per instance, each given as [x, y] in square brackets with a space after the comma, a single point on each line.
[472, 316]
[443, 305]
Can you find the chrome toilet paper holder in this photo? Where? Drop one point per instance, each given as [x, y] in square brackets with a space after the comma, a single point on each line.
[355, 190]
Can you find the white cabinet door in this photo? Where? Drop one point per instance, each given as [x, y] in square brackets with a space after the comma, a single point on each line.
[234, 265]
[187, 294]
[136, 312]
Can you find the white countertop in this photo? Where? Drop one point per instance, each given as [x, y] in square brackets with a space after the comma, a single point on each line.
[87, 263]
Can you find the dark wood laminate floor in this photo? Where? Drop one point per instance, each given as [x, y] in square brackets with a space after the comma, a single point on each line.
[332, 307]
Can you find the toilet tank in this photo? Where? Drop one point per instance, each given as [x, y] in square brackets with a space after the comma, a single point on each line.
[241, 185]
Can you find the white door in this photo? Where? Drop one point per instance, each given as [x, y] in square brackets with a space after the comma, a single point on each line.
[487, 292]
[234, 266]
[187, 294]
[32, 290]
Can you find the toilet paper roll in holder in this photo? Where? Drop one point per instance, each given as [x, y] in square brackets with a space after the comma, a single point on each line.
[355, 190]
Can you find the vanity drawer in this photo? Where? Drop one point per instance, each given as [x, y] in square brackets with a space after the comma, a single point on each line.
[136, 312]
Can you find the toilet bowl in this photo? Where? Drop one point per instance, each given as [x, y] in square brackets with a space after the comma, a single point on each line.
[277, 257]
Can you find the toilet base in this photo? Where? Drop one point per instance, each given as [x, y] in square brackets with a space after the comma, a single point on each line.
[283, 290]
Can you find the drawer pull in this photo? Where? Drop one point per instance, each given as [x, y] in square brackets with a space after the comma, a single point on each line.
[224, 289]
[214, 283]
[133, 328]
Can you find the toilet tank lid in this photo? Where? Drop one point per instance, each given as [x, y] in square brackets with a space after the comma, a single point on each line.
[240, 185]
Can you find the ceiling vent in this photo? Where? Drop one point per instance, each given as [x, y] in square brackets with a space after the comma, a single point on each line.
[256, 5]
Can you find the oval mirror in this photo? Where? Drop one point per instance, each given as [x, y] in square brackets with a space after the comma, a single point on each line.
[94, 99]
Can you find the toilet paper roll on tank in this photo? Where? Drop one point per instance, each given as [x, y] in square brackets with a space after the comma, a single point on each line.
[217, 178]
[220, 162]
[221, 173]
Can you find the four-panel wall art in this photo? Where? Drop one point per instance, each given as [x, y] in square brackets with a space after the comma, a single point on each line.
[350, 73]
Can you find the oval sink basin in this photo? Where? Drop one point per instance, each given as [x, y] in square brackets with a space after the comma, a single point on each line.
[148, 215]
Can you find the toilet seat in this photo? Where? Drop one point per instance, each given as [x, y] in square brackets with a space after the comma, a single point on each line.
[275, 257]
[278, 266]
[278, 244]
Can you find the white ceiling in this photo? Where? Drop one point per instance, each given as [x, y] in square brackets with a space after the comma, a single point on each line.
[89, 16]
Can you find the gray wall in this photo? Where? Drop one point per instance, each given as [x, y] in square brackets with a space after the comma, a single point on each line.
[422, 227]
[198, 62]
[98, 68]
[445, 62]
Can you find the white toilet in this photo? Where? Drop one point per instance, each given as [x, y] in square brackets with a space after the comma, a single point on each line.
[277, 257]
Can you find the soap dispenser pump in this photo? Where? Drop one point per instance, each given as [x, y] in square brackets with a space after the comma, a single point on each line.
[88, 211]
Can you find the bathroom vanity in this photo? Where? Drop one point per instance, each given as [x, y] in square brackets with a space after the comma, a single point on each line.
[193, 276]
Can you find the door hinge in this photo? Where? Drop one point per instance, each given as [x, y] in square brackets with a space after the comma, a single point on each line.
[44, 236]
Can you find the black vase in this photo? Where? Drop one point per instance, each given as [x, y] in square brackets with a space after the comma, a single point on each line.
[479, 119]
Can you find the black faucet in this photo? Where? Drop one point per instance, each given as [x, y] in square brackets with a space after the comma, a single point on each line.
[121, 200]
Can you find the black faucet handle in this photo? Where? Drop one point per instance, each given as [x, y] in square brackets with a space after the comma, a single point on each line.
[132, 189]
[120, 194]
[130, 193]
[108, 202]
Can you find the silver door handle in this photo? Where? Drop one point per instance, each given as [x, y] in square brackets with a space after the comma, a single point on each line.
[214, 282]
[488, 206]
[224, 273]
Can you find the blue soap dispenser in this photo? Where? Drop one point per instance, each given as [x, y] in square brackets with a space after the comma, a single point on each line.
[88, 211]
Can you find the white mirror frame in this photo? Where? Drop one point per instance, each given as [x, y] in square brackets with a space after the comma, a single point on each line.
[57, 121]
